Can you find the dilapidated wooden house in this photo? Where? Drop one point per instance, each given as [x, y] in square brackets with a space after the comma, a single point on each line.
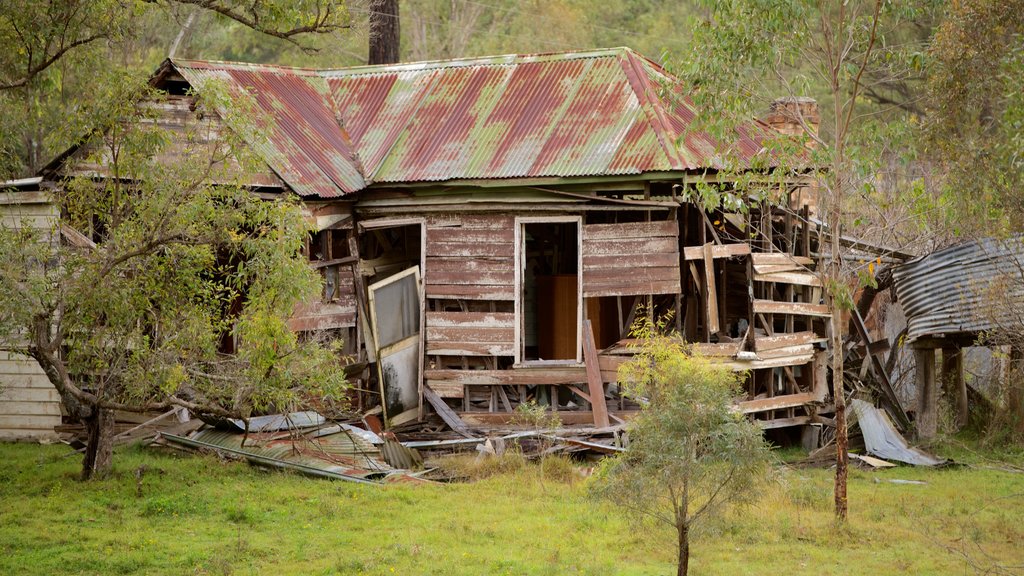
[488, 229]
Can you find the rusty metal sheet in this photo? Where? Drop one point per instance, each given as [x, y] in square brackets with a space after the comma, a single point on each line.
[299, 134]
[603, 112]
[948, 292]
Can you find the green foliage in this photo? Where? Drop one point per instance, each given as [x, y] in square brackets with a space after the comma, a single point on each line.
[296, 525]
[186, 258]
[976, 114]
[690, 452]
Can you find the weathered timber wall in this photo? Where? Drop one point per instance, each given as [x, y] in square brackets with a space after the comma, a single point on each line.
[470, 257]
[194, 130]
[631, 259]
[29, 404]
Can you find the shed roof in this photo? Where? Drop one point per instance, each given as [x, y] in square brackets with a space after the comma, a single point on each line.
[963, 290]
[598, 113]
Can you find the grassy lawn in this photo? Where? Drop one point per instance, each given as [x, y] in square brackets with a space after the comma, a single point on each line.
[198, 515]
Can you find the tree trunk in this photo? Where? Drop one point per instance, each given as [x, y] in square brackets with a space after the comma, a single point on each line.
[842, 439]
[1015, 396]
[99, 451]
[384, 32]
[683, 564]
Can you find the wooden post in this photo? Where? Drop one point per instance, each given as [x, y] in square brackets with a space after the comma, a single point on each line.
[953, 383]
[594, 382]
[927, 414]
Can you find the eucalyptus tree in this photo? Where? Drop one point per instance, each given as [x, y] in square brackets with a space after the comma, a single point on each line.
[690, 454]
[175, 257]
[746, 53]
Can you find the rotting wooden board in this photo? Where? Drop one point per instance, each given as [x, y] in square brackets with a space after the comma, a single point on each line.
[628, 272]
[764, 343]
[801, 351]
[740, 365]
[630, 288]
[717, 251]
[776, 268]
[470, 292]
[567, 418]
[799, 278]
[517, 376]
[483, 265]
[470, 235]
[446, 388]
[471, 221]
[471, 319]
[470, 349]
[638, 260]
[710, 289]
[483, 335]
[628, 247]
[451, 249]
[635, 230]
[325, 316]
[799, 308]
[779, 258]
[499, 277]
[729, 349]
[594, 378]
[783, 422]
[776, 403]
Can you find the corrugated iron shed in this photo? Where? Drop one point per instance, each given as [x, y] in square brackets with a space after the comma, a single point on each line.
[599, 113]
[950, 292]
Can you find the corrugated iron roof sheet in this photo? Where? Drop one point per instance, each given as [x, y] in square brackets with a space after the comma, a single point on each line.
[949, 292]
[298, 131]
[605, 112]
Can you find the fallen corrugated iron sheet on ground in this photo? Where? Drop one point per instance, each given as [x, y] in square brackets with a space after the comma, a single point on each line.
[881, 438]
[872, 431]
[307, 443]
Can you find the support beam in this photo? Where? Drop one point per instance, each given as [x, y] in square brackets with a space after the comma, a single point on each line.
[954, 385]
[927, 394]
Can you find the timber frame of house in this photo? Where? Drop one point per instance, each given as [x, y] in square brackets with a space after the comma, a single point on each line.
[489, 229]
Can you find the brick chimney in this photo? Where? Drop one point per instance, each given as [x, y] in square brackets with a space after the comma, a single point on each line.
[785, 115]
[789, 116]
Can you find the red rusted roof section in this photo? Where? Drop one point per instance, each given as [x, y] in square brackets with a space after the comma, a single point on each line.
[294, 126]
[605, 112]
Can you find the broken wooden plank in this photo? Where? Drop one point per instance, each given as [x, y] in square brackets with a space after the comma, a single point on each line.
[799, 278]
[516, 376]
[447, 388]
[765, 343]
[778, 258]
[711, 295]
[800, 308]
[447, 414]
[717, 251]
[566, 417]
[470, 348]
[783, 422]
[594, 382]
[788, 401]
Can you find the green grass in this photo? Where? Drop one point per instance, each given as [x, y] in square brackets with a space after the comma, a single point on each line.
[204, 516]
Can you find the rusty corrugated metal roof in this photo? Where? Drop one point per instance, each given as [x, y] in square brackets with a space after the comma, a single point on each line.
[963, 290]
[297, 131]
[604, 112]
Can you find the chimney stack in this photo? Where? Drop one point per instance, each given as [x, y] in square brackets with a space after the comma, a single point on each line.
[794, 116]
[785, 115]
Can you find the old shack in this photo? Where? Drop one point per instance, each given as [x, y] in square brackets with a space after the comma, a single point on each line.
[955, 298]
[488, 229]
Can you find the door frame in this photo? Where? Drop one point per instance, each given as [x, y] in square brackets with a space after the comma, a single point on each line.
[393, 222]
[520, 279]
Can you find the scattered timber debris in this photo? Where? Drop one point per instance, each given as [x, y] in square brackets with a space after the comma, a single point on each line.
[308, 443]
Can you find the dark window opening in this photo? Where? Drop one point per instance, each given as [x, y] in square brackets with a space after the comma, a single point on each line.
[551, 291]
